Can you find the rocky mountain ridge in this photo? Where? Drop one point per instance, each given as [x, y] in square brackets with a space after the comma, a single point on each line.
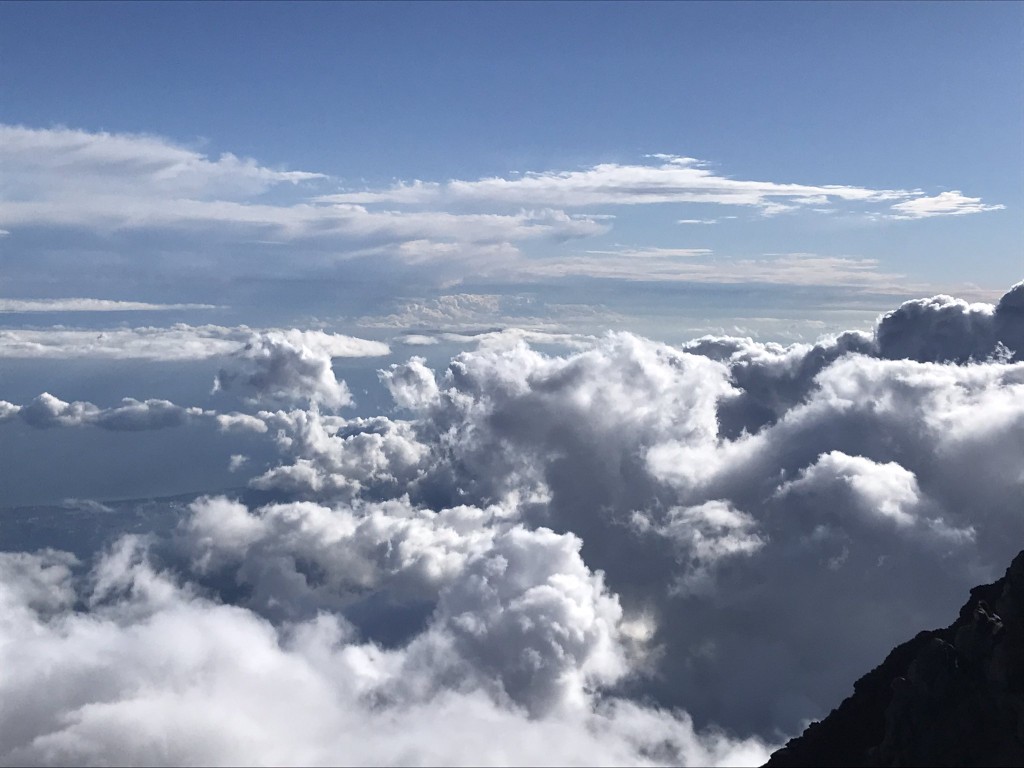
[947, 697]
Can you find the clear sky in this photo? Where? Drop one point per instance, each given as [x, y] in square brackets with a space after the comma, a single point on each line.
[910, 112]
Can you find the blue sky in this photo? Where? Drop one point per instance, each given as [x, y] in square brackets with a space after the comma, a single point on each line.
[914, 104]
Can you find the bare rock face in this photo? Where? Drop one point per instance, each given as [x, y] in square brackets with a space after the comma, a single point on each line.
[952, 696]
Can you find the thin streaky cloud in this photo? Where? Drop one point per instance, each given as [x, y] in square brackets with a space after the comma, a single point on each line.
[177, 342]
[674, 180]
[701, 266]
[91, 305]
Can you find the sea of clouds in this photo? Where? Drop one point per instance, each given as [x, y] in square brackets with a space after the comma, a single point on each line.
[625, 553]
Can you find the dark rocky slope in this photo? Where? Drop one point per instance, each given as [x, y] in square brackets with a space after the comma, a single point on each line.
[952, 696]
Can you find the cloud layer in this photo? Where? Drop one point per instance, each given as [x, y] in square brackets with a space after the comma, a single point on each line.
[177, 342]
[624, 553]
[138, 199]
[666, 179]
[132, 415]
[90, 305]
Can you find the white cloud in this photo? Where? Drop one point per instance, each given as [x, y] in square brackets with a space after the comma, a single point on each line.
[703, 536]
[887, 491]
[132, 415]
[108, 182]
[335, 457]
[942, 328]
[411, 385]
[161, 676]
[295, 365]
[675, 179]
[474, 311]
[176, 342]
[539, 543]
[590, 439]
[953, 203]
[90, 305]
[88, 505]
[111, 182]
[110, 160]
[700, 266]
[243, 422]
[458, 309]
[655, 253]
[504, 337]
[531, 613]
[117, 185]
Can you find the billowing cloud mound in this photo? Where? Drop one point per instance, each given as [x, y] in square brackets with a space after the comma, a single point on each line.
[154, 672]
[132, 415]
[609, 552]
[943, 329]
[290, 365]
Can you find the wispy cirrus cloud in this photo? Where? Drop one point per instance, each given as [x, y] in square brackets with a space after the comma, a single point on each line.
[702, 221]
[109, 182]
[671, 179]
[91, 305]
[121, 164]
[177, 342]
[697, 265]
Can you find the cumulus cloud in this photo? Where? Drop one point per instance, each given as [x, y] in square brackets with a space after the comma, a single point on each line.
[49, 411]
[532, 616]
[296, 365]
[885, 491]
[412, 384]
[617, 546]
[733, 471]
[242, 422]
[154, 671]
[237, 461]
[704, 535]
[46, 410]
[335, 457]
[943, 328]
